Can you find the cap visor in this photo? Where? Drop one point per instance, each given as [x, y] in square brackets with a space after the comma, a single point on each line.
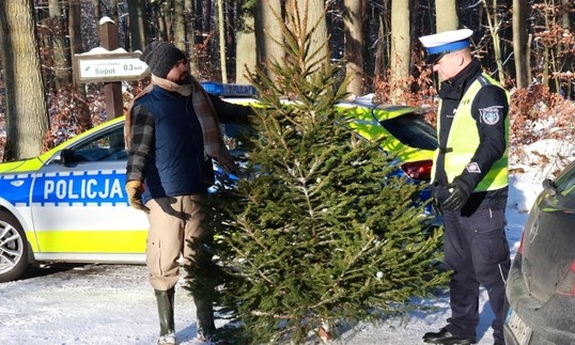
[432, 59]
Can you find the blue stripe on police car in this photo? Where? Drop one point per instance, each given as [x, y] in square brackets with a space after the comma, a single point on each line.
[80, 188]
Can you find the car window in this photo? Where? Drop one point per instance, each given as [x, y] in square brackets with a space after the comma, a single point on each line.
[412, 130]
[107, 145]
[560, 193]
[565, 182]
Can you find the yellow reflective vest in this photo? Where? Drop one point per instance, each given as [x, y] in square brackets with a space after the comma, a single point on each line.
[463, 140]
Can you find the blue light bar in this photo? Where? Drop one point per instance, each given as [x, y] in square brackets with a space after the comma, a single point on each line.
[229, 90]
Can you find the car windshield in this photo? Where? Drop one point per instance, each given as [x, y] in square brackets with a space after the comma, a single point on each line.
[565, 183]
[412, 130]
[560, 193]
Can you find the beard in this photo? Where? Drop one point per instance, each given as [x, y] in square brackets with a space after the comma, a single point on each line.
[184, 79]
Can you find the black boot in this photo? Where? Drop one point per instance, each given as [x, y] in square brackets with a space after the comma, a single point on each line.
[205, 314]
[445, 337]
[165, 301]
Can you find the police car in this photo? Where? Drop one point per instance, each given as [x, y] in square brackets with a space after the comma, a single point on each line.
[69, 204]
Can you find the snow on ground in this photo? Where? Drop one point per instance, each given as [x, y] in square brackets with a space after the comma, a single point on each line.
[114, 304]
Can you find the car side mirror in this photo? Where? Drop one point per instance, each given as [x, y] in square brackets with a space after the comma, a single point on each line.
[62, 157]
[549, 186]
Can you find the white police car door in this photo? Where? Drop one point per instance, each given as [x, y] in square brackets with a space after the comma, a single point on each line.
[79, 206]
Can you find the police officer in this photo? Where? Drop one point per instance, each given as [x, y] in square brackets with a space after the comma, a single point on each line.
[470, 184]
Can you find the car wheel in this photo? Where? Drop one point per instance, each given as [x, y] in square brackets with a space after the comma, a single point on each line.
[13, 248]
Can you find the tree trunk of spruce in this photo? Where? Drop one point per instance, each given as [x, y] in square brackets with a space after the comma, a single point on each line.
[312, 15]
[26, 111]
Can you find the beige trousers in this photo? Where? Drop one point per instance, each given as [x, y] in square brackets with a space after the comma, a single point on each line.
[173, 222]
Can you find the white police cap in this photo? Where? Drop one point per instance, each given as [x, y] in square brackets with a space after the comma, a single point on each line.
[445, 42]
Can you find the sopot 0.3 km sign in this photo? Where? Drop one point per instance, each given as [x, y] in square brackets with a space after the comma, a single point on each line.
[112, 67]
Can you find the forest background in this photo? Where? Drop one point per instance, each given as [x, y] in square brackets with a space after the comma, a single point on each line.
[314, 206]
[528, 45]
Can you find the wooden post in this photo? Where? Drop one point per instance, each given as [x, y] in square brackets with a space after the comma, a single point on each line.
[112, 90]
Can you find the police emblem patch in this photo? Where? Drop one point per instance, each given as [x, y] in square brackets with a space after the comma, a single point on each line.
[473, 167]
[490, 116]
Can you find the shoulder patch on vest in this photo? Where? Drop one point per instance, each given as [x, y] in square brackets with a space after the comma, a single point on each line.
[490, 116]
[473, 168]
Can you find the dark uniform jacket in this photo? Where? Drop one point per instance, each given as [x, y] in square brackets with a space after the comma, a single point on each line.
[493, 141]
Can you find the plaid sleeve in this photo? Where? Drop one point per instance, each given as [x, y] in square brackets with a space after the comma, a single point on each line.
[142, 142]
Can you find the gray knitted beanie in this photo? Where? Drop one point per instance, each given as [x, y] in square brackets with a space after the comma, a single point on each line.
[161, 57]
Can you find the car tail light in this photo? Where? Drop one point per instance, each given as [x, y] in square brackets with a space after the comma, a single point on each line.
[567, 285]
[520, 249]
[419, 170]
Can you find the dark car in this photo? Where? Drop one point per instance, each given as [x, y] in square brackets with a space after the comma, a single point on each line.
[541, 283]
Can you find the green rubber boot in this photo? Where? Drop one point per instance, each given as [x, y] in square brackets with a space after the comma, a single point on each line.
[165, 301]
[205, 314]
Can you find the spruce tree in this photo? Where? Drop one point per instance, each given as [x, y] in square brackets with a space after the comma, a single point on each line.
[319, 231]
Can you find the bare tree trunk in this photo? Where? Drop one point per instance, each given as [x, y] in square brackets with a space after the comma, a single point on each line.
[269, 36]
[246, 56]
[493, 26]
[520, 39]
[567, 65]
[26, 110]
[400, 49]
[179, 25]
[97, 9]
[138, 28]
[353, 18]
[380, 53]
[164, 22]
[208, 16]
[74, 29]
[222, 41]
[383, 52]
[114, 14]
[62, 64]
[446, 15]
[190, 19]
[231, 26]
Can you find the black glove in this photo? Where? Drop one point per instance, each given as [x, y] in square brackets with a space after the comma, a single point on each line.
[458, 197]
[436, 207]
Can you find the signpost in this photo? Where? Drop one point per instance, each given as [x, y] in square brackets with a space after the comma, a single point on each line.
[112, 67]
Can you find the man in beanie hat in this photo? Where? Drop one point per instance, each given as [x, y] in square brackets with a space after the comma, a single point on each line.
[172, 135]
[470, 184]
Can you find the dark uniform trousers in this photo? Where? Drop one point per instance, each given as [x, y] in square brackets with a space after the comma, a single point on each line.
[477, 251]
